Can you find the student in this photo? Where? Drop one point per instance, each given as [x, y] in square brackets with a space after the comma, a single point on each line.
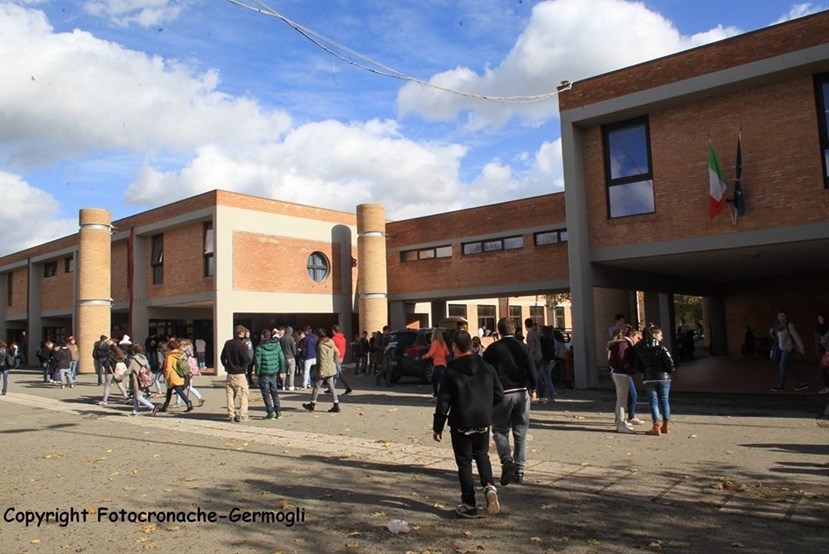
[653, 359]
[468, 391]
[325, 371]
[269, 363]
[438, 354]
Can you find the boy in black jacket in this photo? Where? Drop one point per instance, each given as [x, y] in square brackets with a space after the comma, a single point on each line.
[468, 391]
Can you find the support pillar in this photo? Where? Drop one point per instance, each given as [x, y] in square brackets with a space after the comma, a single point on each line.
[94, 282]
[372, 286]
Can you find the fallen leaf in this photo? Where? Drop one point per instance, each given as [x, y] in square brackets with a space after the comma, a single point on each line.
[535, 539]
[35, 541]
[172, 528]
[377, 514]
[354, 534]
[149, 528]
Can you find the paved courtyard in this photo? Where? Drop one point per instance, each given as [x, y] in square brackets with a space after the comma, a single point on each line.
[737, 473]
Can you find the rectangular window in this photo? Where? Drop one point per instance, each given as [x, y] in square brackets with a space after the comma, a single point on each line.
[559, 317]
[157, 259]
[537, 314]
[515, 316]
[551, 237]
[456, 310]
[209, 260]
[628, 169]
[493, 245]
[426, 253]
[822, 101]
[50, 269]
[486, 319]
[69, 264]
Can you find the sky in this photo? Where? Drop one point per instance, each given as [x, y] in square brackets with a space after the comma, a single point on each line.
[133, 104]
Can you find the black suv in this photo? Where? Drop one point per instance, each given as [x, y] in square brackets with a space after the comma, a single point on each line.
[405, 349]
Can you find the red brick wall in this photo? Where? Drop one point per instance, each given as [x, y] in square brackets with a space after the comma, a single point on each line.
[271, 263]
[118, 274]
[487, 269]
[265, 205]
[20, 296]
[183, 263]
[781, 166]
[56, 291]
[766, 43]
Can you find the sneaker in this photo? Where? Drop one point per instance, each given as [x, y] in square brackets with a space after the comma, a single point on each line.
[155, 409]
[201, 402]
[237, 419]
[291, 388]
[335, 408]
[270, 416]
[309, 406]
[133, 413]
[277, 415]
[346, 393]
[492, 505]
[518, 477]
[543, 400]
[467, 511]
[507, 471]
[635, 421]
[232, 420]
[776, 389]
[824, 390]
[624, 429]
[804, 386]
[102, 403]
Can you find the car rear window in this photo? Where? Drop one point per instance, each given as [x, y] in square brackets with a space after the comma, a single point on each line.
[403, 339]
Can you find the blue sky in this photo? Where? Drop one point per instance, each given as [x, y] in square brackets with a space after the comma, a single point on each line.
[131, 104]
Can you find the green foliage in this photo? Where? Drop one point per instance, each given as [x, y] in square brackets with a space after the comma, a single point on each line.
[688, 308]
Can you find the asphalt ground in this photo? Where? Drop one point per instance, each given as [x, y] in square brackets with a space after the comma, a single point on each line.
[738, 472]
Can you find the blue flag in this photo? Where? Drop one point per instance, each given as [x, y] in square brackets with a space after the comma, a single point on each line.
[739, 198]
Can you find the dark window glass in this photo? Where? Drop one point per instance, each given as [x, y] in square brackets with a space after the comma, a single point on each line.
[50, 269]
[69, 264]
[822, 100]
[628, 169]
[209, 263]
[457, 310]
[537, 314]
[548, 237]
[157, 259]
[486, 319]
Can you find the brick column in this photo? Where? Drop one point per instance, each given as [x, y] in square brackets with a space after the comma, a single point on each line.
[372, 289]
[94, 282]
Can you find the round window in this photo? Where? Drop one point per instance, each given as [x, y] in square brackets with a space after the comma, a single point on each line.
[317, 266]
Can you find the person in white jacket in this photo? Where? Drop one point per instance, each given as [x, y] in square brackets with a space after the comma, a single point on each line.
[786, 341]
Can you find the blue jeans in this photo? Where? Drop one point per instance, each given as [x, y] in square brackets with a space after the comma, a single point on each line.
[5, 374]
[512, 413]
[200, 356]
[658, 396]
[633, 396]
[547, 379]
[73, 369]
[269, 386]
[784, 369]
[437, 375]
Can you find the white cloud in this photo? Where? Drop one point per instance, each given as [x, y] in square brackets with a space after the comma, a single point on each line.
[145, 13]
[30, 217]
[564, 40]
[800, 10]
[66, 94]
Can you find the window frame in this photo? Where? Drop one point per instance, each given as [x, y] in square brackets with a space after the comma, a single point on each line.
[536, 317]
[821, 81]
[324, 266]
[486, 318]
[559, 234]
[431, 253]
[488, 246]
[610, 181]
[459, 309]
[157, 258]
[69, 264]
[50, 269]
[208, 249]
[517, 320]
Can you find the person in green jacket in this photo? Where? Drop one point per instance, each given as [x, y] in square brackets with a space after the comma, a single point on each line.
[270, 363]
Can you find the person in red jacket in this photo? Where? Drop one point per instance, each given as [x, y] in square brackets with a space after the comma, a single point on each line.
[341, 344]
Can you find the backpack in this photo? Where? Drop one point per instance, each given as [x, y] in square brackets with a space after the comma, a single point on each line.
[182, 367]
[101, 349]
[193, 366]
[145, 377]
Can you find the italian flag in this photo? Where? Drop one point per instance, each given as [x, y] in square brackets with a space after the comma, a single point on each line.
[716, 184]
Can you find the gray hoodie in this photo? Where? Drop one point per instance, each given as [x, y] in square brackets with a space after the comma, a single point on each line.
[288, 343]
